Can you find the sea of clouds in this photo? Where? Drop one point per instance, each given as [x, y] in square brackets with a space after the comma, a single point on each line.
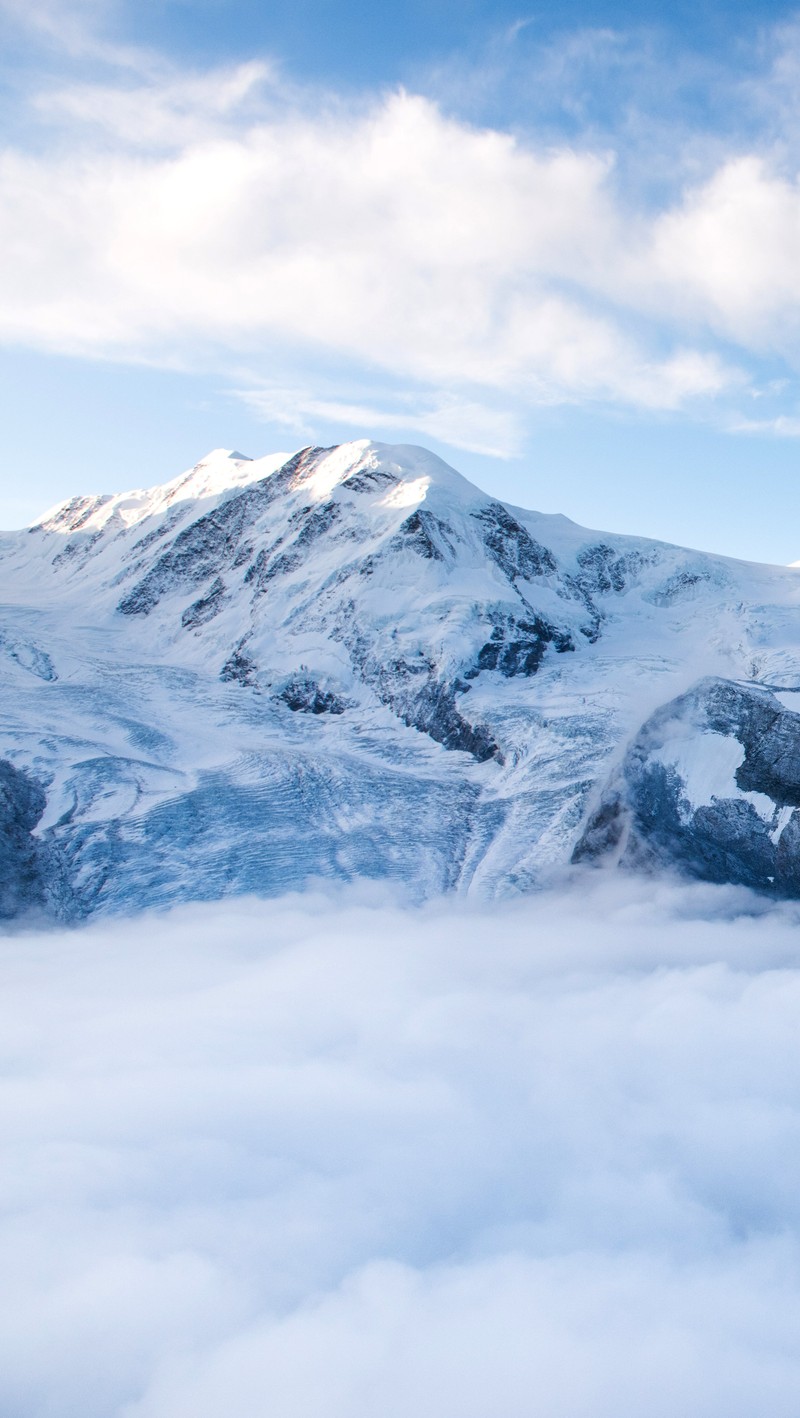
[335, 1157]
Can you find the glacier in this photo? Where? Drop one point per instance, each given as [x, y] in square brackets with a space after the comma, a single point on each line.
[350, 662]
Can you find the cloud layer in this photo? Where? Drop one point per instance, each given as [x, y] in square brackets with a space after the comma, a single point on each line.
[331, 1157]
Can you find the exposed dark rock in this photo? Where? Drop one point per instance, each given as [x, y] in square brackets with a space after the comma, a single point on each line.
[78, 550]
[75, 513]
[512, 547]
[603, 570]
[211, 542]
[239, 668]
[271, 566]
[769, 733]
[370, 480]
[517, 647]
[647, 818]
[787, 859]
[243, 554]
[30, 875]
[167, 525]
[434, 711]
[301, 465]
[270, 562]
[206, 607]
[28, 656]
[593, 628]
[603, 833]
[304, 695]
[413, 689]
[678, 587]
[316, 521]
[258, 572]
[427, 535]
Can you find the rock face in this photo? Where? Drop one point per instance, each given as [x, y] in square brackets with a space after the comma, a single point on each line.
[710, 786]
[351, 662]
[30, 875]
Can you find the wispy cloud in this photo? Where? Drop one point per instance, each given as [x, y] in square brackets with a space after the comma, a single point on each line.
[782, 426]
[74, 30]
[164, 112]
[454, 420]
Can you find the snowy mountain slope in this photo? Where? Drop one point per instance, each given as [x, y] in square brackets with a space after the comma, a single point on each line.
[345, 662]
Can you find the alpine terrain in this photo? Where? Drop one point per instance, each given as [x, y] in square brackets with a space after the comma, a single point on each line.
[350, 663]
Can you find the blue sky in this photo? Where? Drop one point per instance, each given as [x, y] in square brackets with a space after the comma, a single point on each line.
[561, 249]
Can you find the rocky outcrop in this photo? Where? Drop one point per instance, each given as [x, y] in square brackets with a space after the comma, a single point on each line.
[211, 542]
[30, 872]
[305, 695]
[709, 786]
[511, 547]
[206, 607]
[517, 646]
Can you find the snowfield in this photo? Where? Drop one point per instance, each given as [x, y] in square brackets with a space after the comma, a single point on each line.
[350, 663]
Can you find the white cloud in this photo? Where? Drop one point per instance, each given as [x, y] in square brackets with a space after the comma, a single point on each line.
[783, 426]
[457, 421]
[729, 254]
[179, 217]
[74, 29]
[169, 110]
[388, 234]
[329, 1157]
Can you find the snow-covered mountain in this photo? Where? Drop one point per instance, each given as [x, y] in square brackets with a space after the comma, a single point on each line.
[351, 662]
